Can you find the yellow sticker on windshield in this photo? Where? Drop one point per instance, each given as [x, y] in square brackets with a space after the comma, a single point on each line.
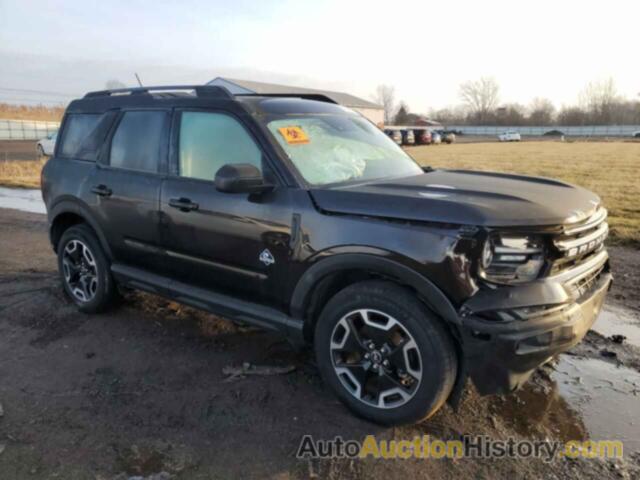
[294, 135]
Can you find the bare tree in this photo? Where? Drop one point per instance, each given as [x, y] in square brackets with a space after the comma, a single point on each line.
[455, 115]
[599, 93]
[541, 111]
[511, 114]
[480, 96]
[600, 99]
[113, 84]
[572, 116]
[385, 96]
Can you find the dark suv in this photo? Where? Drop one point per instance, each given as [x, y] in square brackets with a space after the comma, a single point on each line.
[296, 214]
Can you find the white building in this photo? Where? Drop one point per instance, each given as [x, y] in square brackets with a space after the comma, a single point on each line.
[372, 111]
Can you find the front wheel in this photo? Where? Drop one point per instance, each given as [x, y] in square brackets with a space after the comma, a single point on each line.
[385, 355]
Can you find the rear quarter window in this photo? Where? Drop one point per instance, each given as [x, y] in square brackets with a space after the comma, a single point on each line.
[83, 135]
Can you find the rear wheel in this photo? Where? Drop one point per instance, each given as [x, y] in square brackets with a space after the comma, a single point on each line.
[384, 354]
[84, 270]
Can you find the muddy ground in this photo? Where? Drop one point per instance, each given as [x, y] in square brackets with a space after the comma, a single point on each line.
[140, 391]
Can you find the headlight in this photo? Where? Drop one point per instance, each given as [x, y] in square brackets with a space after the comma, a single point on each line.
[512, 259]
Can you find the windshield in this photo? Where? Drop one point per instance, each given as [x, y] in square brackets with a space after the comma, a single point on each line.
[339, 148]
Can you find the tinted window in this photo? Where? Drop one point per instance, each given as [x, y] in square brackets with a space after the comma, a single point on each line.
[210, 140]
[138, 141]
[79, 127]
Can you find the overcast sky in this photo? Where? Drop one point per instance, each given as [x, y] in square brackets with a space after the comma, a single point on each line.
[425, 49]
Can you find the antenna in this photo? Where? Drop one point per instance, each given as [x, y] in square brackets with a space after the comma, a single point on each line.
[138, 78]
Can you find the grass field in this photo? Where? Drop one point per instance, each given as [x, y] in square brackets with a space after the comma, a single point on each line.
[611, 169]
[36, 112]
[20, 173]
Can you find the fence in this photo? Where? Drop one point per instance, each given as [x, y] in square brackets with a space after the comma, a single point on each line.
[584, 131]
[26, 129]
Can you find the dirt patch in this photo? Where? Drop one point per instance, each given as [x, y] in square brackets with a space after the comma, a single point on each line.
[140, 390]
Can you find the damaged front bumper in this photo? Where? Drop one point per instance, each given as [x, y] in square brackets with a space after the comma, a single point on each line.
[507, 332]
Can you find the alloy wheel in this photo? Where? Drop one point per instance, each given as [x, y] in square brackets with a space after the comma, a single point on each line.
[376, 358]
[80, 270]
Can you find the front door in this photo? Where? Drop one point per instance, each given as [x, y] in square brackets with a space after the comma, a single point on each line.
[230, 243]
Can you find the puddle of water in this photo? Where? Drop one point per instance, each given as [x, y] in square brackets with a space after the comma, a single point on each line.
[27, 200]
[585, 398]
[618, 321]
[538, 410]
[606, 396]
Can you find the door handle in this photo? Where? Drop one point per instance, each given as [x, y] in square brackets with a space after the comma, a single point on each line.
[183, 204]
[101, 190]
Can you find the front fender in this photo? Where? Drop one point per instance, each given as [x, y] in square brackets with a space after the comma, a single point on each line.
[377, 263]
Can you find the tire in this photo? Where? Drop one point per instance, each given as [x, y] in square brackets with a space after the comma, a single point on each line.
[433, 361]
[99, 287]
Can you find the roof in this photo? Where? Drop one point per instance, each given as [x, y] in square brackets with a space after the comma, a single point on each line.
[249, 86]
[188, 96]
[422, 120]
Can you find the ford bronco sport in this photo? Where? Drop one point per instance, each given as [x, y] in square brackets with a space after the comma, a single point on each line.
[295, 214]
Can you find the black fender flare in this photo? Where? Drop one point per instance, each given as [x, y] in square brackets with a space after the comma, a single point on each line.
[72, 206]
[431, 294]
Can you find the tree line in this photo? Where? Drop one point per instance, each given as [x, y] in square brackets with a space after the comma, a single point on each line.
[599, 104]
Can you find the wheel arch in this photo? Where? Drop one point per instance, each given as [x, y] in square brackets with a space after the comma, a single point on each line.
[330, 275]
[67, 213]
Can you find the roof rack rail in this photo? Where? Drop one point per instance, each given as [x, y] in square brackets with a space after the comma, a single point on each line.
[200, 90]
[306, 96]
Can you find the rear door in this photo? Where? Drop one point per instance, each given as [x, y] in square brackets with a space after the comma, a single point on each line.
[127, 187]
[233, 243]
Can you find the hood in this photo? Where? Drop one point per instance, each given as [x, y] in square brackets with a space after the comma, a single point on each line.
[465, 198]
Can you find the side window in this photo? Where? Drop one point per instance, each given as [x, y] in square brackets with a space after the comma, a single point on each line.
[79, 127]
[210, 140]
[137, 143]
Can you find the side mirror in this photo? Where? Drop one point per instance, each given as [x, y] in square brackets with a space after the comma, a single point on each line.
[240, 178]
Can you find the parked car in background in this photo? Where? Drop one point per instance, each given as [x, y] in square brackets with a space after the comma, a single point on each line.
[636, 134]
[47, 145]
[554, 133]
[447, 136]
[436, 139]
[395, 135]
[408, 138]
[423, 137]
[509, 137]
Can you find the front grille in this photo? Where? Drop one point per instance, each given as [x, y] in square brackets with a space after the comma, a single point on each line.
[578, 243]
[583, 286]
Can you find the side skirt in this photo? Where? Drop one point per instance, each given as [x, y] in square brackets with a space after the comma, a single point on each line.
[210, 301]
